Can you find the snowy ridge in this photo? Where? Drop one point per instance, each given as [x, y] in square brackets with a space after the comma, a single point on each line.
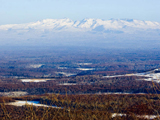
[83, 25]
[102, 33]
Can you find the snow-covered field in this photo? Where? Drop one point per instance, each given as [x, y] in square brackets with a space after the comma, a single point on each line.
[149, 76]
[118, 76]
[84, 63]
[34, 103]
[65, 74]
[105, 93]
[35, 65]
[85, 69]
[139, 116]
[68, 84]
[13, 94]
[155, 77]
[62, 68]
[35, 80]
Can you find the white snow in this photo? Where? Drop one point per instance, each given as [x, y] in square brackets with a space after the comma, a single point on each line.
[85, 69]
[15, 93]
[68, 84]
[35, 65]
[62, 67]
[84, 63]
[118, 93]
[150, 76]
[23, 103]
[88, 24]
[66, 74]
[67, 31]
[139, 116]
[35, 80]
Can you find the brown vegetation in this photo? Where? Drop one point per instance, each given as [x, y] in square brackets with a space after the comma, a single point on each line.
[88, 107]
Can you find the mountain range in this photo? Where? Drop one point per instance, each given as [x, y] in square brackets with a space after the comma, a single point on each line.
[84, 25]
[88, 30]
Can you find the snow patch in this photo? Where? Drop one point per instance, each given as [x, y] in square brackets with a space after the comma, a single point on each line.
[84, 63]
[150, 76]
[35, 80]
[139, 116]
[35, 65]
[65, 74]
[68, 84]
[85, 69]
[23, 103]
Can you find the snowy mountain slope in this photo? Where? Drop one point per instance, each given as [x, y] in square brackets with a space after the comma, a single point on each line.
[96, 32]
[84, 25]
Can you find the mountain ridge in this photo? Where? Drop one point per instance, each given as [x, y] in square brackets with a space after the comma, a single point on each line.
[111, 33]
[83, 25]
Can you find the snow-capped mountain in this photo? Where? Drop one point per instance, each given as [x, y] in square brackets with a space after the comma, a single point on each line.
[84, 25]
[87, 31]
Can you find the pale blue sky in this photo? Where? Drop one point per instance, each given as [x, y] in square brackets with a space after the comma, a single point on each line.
[23, 11]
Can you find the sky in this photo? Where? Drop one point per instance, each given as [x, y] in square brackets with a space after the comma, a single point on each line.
[24, 11]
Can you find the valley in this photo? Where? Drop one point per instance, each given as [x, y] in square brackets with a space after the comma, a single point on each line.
[73, 71]
[73, 84]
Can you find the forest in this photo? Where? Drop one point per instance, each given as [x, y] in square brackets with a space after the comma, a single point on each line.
[85, 83]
